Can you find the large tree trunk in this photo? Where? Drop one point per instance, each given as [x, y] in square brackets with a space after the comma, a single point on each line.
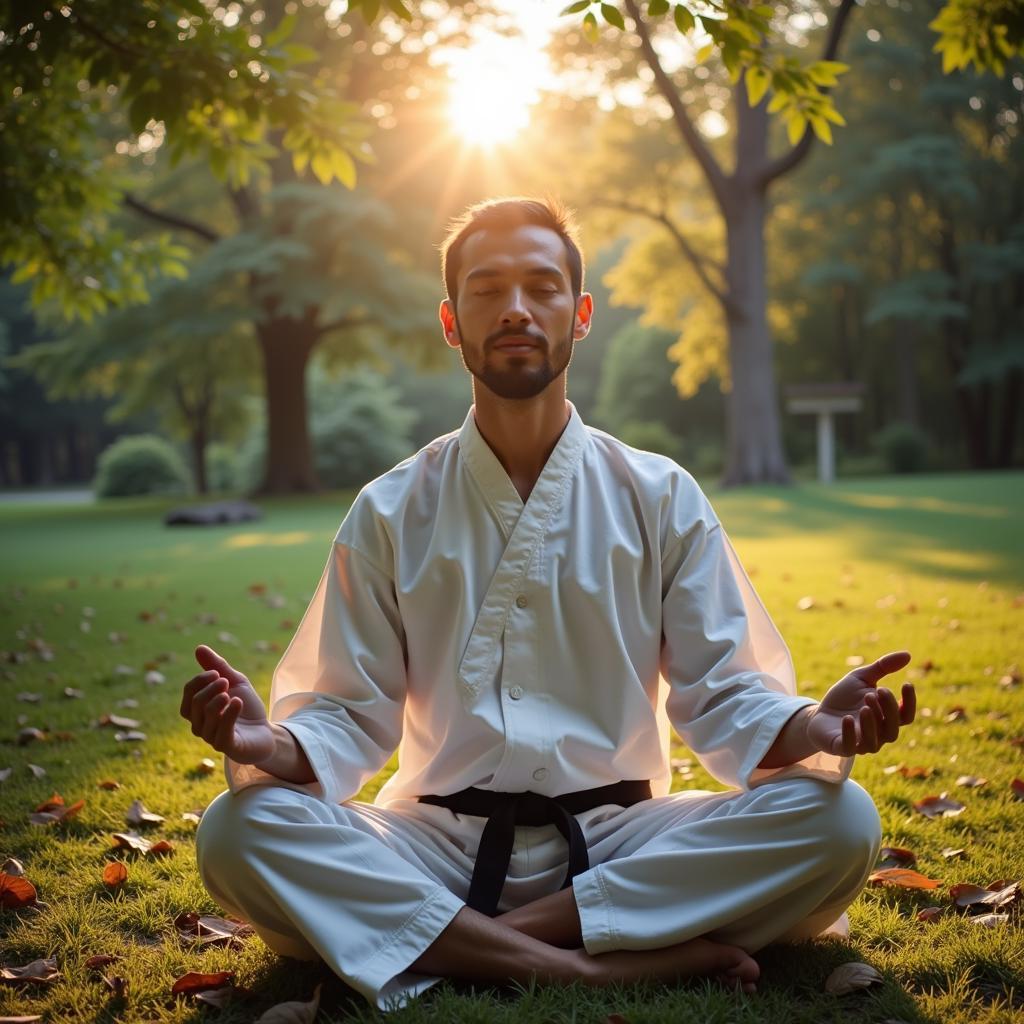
[286, 345]
[753, 425]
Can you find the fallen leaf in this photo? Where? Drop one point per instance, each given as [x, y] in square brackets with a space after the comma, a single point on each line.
[210, 930]
[305, 1013]
[952, 852]
[990, 920]
[56, 814]
[1017, 786]
[909, 771]
[965, 894]
[206, 766]
[956, 714]
[195, 982]
[160, 847]
[218, 997]
[155, 678]
[109, 784]
[930, 913]
[115, 874]
[100, 960]
[12, 866]
[39, 773]
[120, 721]
[131, 840]
[21, 1020]
[132, 734]
[805, 603]
[30, 735]
[55, 801]
[5, 774]
[28, 698]
[16, 891]
[972, 781]
[138, 815]
[117, 985]
[902, 878]
[897, 856]
[850, 977]
[939, 807]
[38, 972]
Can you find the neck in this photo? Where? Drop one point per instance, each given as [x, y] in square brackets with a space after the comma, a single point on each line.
[522, 433]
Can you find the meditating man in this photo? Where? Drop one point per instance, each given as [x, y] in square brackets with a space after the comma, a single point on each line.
[520, 610]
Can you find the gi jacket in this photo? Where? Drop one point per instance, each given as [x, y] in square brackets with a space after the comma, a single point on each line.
[542, 646]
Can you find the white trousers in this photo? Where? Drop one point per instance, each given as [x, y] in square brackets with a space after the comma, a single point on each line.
[368, 888]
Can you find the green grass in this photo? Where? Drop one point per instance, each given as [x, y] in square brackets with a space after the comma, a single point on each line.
[932, 564]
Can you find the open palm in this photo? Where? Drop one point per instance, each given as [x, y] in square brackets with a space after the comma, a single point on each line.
[858, 717]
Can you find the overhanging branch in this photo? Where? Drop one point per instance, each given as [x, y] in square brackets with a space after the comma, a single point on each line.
[173, 220]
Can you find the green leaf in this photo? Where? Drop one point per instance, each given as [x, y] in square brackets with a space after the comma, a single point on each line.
[758, 81]
[590, 29]
[683, 18]
[580, 5]
[796, 124]
[821, 128]
[656, 8]
[285, 27]
[344, 168]
[704, 52]
[613, 16]
[398, 8]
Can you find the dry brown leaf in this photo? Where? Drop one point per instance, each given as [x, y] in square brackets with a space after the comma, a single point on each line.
[100, 960]
[208, 929]
[909, 771]
[139, 815]
[930, 913]
[160, 847]
[37, 771]
[897, 856]
[940, 806]
[30, 735]
[38, 972]
[998, 894]
[115, 874]
[218, 997]
[12, 866]
[16, 891]
[851, 977]
[131, 734]
[302, 1013]
[1017, 786]
[952, 852]
[957, 713]
[55, 801]
[902, 878]
[21, 1020]
[108, 784]
[131, 840]
[196, 982]
[206, 766]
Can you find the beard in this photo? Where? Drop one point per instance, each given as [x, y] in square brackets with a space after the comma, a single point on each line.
[520, 378]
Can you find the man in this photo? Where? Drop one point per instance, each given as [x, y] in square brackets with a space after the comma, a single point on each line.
[519, 609]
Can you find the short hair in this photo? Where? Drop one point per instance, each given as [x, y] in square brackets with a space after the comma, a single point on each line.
[511, 212]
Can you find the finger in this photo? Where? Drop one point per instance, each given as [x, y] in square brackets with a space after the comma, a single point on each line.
[883, 666]
[909, 706]
[848, 744]
[210, 659]
[191, 687]
[211, 717]
[868, 732]
[890, 728]
[871, 700]
[226, 727]
[197, 713]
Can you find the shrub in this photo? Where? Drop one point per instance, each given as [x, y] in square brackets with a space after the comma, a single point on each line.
[651, 437]
[903, 446]
[143, 464]
[221, 466]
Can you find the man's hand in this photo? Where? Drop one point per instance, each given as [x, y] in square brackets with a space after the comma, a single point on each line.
[226, 711]
[855, 717]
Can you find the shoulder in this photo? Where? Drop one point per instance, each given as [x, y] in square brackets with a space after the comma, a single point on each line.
[369, 524]
[657, 483]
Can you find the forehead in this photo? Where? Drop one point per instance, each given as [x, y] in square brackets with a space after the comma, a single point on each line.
[512, 250]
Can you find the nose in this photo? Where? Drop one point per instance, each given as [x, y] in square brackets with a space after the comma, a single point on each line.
[516, 311]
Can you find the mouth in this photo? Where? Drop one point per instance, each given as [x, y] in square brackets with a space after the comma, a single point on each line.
[517, 345]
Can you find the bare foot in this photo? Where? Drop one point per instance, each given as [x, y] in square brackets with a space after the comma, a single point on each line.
[696, 958]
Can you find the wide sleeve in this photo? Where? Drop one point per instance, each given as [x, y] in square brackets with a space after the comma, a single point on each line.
[340, 687]
[730, 675]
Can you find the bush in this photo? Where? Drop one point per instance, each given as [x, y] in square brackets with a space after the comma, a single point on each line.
[143, 464]
[903, 446]
[652, 437]
[221, 466]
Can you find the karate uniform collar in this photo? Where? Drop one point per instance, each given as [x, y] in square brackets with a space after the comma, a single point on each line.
[495, 485]
[525, 527]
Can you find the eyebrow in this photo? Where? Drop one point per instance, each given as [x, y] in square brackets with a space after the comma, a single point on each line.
[545, 270]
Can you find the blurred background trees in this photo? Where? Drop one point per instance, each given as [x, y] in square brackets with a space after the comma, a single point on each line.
[199, 255]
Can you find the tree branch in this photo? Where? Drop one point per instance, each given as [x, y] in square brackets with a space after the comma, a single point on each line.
[785, 163]
[699, 265]
[715, 175]
[173, 220]
[75, 17]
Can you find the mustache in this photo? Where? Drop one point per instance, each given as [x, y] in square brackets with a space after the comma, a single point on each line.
[513, 332]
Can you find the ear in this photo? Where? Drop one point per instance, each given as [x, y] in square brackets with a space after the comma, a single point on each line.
[446, 313]
[584, 316]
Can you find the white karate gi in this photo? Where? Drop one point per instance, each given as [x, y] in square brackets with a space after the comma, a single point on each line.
[539, 647]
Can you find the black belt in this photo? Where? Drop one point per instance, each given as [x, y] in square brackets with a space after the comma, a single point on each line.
[506, 810]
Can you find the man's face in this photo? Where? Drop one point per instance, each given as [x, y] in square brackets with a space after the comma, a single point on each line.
[516, 318]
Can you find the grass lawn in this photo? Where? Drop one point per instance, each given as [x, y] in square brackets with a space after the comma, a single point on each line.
[95, 597]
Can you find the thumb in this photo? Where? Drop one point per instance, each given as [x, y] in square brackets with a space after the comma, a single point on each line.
[208, 658]
[891, 662]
